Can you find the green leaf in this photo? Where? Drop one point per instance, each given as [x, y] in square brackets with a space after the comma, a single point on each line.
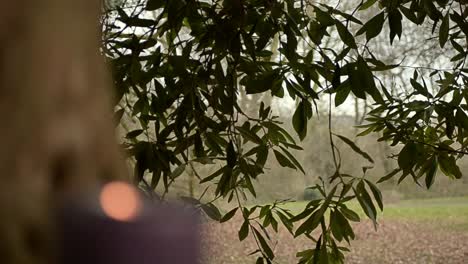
[373, 27]
[449, 166]
[365, 201]
[314, 220]
[178, 171]
[303, 214]
[261, 111]
[229, 215]
[356, 80]
[215, 142]
[342, 93]
[377, 194]
[316, 258]
[246, 133]
[274, 222]
[336, 81]
[249, 186]
[286, 222]
[355, 148]
[335, 225]
[284, 132]
[366, 80]
[350, 214]
[293, 159]
[212, 211]
[213, 175]
[231, 155]
[411, 15]
[461, 118]
[264, 211]
[262, 155]
[324, 17]
[367, 4]
[134, 133]
[406, 157]
[457, 46]
[227, 180]
[419, 88]
[259, 260]
[300, 119]
[283, 161]
[346, 228]
[155, 178]
[345, 35]
[139, 22]
[323, 256]
[389, 175]
[444, 30]
[394, 22]
[265, 247]
[244, 230]
[310, 224]
[345, 15]
[384, 67]
[122, 14]
[262, 83]
[431, 172]
[154, 4]
[328, 200]
[366, 132]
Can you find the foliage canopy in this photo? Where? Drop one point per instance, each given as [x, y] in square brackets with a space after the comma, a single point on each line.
[180, 68]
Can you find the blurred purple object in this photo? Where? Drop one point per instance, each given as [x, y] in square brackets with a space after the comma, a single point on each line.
[160, 234]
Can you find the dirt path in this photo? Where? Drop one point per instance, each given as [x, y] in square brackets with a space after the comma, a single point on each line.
[395, 241]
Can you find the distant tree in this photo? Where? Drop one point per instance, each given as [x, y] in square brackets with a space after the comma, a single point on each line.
[183, 67]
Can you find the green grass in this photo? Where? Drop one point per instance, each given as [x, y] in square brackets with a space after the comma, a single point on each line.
[429, 208]
[443, 212]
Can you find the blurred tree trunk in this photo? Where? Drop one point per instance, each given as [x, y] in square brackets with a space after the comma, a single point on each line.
[57, 134]
[191, 182]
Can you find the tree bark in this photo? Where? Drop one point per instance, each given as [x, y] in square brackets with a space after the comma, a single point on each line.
[57, 135]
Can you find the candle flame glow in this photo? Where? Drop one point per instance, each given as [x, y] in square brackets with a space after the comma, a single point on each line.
[120, 201]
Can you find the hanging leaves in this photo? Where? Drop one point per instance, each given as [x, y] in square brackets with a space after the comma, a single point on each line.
[300, 118]
[395, 25]
[185, 81]
[355, 148]
[345, 35]
[444, 30]
[373, 27]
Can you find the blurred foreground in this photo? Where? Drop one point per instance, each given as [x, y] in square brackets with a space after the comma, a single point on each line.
[117, 225]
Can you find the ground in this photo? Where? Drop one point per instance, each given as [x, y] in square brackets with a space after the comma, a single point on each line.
[414, 231]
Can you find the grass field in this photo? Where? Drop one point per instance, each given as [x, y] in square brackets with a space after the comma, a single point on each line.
[410, 231]
[453, 209]
[451, 213]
